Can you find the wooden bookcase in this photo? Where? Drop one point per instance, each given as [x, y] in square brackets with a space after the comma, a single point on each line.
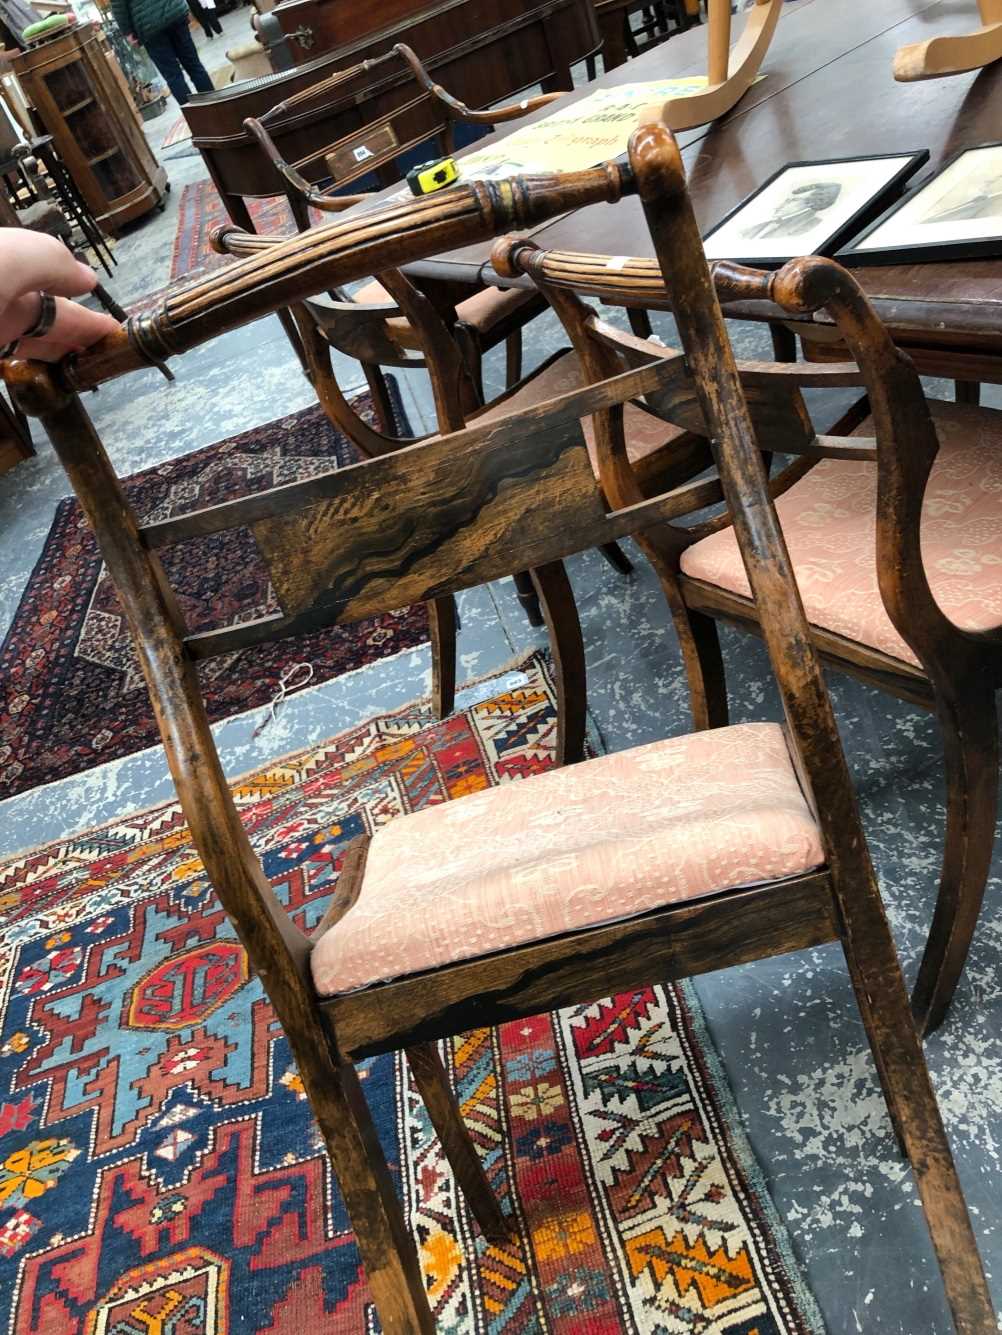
[80, 96]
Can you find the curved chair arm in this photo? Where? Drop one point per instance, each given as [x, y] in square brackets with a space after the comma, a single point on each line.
[229, 239]
[459, 111]
[355, 328]
[297, 182]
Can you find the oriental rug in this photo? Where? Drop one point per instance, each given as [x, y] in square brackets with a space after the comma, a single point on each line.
[177, 134]
[159, 1168]
[200, 210]
[71, 692]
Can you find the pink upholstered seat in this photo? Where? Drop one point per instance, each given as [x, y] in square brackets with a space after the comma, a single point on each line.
[829, 519]
[482, 311]
[594, 843]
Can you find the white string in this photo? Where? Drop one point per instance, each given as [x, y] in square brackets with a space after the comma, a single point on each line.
[286, 685]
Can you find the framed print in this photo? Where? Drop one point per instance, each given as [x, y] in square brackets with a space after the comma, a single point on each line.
[954, 216]
[810, 208]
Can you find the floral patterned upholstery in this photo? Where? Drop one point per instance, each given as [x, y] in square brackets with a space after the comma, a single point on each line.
[572, 848]
[829, 519]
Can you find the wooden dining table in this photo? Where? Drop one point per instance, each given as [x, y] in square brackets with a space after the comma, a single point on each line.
[828, 92]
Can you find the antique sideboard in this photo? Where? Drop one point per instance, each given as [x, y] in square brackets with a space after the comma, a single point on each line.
[482, 51]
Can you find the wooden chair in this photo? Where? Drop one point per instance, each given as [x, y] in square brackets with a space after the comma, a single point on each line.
[777, 861]
[876, 523]
[481, 322]
[730, 73]
[941, 57]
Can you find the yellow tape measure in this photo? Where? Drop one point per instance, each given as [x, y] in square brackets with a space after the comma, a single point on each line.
[431, 176]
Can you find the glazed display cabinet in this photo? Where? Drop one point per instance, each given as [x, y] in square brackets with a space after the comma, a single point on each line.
[80, 96]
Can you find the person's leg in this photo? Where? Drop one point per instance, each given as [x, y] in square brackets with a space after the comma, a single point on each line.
[161, 51]
[215, 26]
[200, 16]
[184, 48]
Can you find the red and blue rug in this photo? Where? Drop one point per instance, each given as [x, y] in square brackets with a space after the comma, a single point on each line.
[201, 210]
[159, 1169]
[71, 691]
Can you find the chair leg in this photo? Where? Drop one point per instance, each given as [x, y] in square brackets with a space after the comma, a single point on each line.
[640, 321]
[617, 558]
[526, 591]
[381, 402]
[967, 391]
[784, 343]
[556, 598]
[883, 1002]
[970, 735]
[443, 623]
[513, 358]
[387, 1249]
[697, 639]
[433, 1085]
[704, 669]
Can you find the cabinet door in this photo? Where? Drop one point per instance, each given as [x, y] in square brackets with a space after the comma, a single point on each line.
[76, 95]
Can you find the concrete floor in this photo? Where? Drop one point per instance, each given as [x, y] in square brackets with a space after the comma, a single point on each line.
[787, 1029]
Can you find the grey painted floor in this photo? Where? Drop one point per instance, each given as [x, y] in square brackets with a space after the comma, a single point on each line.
[787, 1029]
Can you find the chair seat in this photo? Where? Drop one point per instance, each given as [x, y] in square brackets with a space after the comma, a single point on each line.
[646, 435]
[594, 843]
[482, 312]
[829, 519]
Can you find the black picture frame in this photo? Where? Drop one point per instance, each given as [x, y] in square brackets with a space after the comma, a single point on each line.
[874, 207]
[964, 248]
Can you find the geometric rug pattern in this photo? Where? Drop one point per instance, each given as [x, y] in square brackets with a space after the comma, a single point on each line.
[177, 134]
[159, 1168]
[71, 691]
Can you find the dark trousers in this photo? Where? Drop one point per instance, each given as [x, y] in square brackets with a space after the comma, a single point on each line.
[208, 18]
[172, 49]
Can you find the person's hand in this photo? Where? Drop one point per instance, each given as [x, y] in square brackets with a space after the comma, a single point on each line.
[32, 263]
[132, 39]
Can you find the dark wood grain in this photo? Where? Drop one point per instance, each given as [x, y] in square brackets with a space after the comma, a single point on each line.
[903, 447]
[679, 941]
[538, 454]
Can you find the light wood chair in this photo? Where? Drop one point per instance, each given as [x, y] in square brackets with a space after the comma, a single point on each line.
[895, 533]
[941, 57]
[730, 72]
[776, 862]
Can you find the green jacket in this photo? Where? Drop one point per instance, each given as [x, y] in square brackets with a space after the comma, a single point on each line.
[146, 18]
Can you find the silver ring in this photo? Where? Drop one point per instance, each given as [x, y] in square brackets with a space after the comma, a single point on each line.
[46, 317]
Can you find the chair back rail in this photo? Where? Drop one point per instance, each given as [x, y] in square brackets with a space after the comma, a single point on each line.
[371, 144]
[334, 255]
